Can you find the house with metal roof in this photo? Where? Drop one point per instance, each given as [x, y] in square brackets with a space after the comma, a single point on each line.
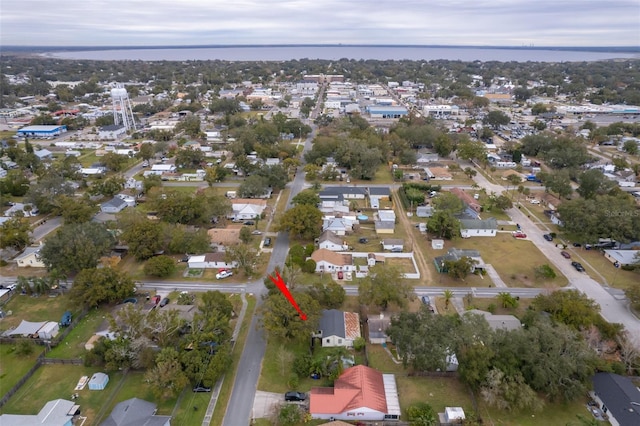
[114, 205]
[331, 241]
[136, 412]
[622, 257]
[30, 257]
[360, 393]
[498, 322]
[478, 227]
[618, 397]
[58, 412]
[453, 255]
[338, 328]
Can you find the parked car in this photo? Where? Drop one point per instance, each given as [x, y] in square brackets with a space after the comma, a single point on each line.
[565, 254]
[577, 245]
[548, 237]
[295, 396]
[164, 302]
[534, 201]
[426, 300]
[201, 388]
[267, 242]
[249, 222]
[363, 241]
[223, 274]
[256, 232]
[396, 250]
[578, 266]
[156, 299]
[519, 234]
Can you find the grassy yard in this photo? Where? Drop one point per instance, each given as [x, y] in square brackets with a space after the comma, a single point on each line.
[439, 392]
[59, 381]
[13, 367]
[133, 386]
[551, 414]
[35, 309]
[483, 304]
[515, 260]
[73, 345]
[274, 374]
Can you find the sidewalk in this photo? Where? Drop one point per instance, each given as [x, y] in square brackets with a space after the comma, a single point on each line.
[493, 274]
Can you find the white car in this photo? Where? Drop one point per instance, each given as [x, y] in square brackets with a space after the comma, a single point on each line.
[534, 201]
[224, 274]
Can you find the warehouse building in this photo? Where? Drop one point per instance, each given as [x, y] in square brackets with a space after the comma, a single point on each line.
[42, 132]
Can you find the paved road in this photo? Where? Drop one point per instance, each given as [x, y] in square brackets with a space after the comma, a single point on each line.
[46, 228]
[612, 308]
[240, 408]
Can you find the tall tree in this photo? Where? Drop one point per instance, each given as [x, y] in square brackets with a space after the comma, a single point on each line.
[385, 285]
[16, 233]
[282, 321]
[76, 246]
[303, 221]
[92, 287]
[167, 379]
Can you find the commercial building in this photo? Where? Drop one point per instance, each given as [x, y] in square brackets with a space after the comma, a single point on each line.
[41, 131]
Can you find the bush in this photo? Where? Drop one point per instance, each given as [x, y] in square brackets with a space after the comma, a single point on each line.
[160, 266]
[293, 381]
[492, 308]
[302, 365]
[24, 348]
[309, 266]
[359, 344]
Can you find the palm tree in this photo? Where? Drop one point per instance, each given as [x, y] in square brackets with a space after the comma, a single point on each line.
[448, 295]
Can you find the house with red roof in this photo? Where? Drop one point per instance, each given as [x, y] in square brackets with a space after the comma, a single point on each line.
[360, 393]
[467, 199]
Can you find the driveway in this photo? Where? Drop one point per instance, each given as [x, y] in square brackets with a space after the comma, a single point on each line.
[265, 403]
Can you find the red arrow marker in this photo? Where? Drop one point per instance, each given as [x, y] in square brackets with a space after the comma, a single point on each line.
[279, 282]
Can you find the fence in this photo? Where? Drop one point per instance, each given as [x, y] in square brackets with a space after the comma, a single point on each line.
[42, 360]
[21, 382]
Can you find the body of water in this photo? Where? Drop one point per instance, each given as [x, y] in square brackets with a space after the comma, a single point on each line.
[285, 53]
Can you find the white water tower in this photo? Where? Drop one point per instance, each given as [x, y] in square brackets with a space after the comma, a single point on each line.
[122, 112]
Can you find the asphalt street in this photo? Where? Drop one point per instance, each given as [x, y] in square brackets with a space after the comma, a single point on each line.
[240, 408]
[612, 308]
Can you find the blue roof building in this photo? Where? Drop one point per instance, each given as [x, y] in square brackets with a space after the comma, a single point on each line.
[41, 131]
[386, 111]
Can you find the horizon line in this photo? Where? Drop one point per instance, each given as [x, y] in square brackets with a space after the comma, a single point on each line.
[630, 48]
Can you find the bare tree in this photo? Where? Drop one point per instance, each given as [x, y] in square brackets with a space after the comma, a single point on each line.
[629, 344]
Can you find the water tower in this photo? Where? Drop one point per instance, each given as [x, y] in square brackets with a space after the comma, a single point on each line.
[122, 112]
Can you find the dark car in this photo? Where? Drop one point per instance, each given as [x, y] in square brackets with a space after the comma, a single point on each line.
[267, 242]
[578, 266]
[164, 302]
[201, 388]
[295, 396]
[577, 245]
[565, 254]
[363, 241]
[249, 222]
[548, 237]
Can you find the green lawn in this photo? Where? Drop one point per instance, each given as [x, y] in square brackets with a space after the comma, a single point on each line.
[551, 414]
[35, 309]
[134, 386]
[595, 260]
[439, 392]
[73, 345]
[13, 367]
[513, 259]
[58, 381]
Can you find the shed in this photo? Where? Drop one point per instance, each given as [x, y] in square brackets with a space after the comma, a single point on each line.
[437, 244]
[98, 381]
[26, 329]
[49, 330]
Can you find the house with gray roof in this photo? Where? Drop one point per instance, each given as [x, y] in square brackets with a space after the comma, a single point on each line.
[331, 241]
[338, 328]
[478, 227]
[618, 397]
[136, 412]
[43, 154]
[453, 255]
[58, 412]
[622, 257]
[498, 322]
[114, 205]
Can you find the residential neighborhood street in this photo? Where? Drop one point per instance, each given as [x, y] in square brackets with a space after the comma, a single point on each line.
[612, 309]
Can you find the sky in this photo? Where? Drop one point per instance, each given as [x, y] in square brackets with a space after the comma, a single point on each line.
[411, 22]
